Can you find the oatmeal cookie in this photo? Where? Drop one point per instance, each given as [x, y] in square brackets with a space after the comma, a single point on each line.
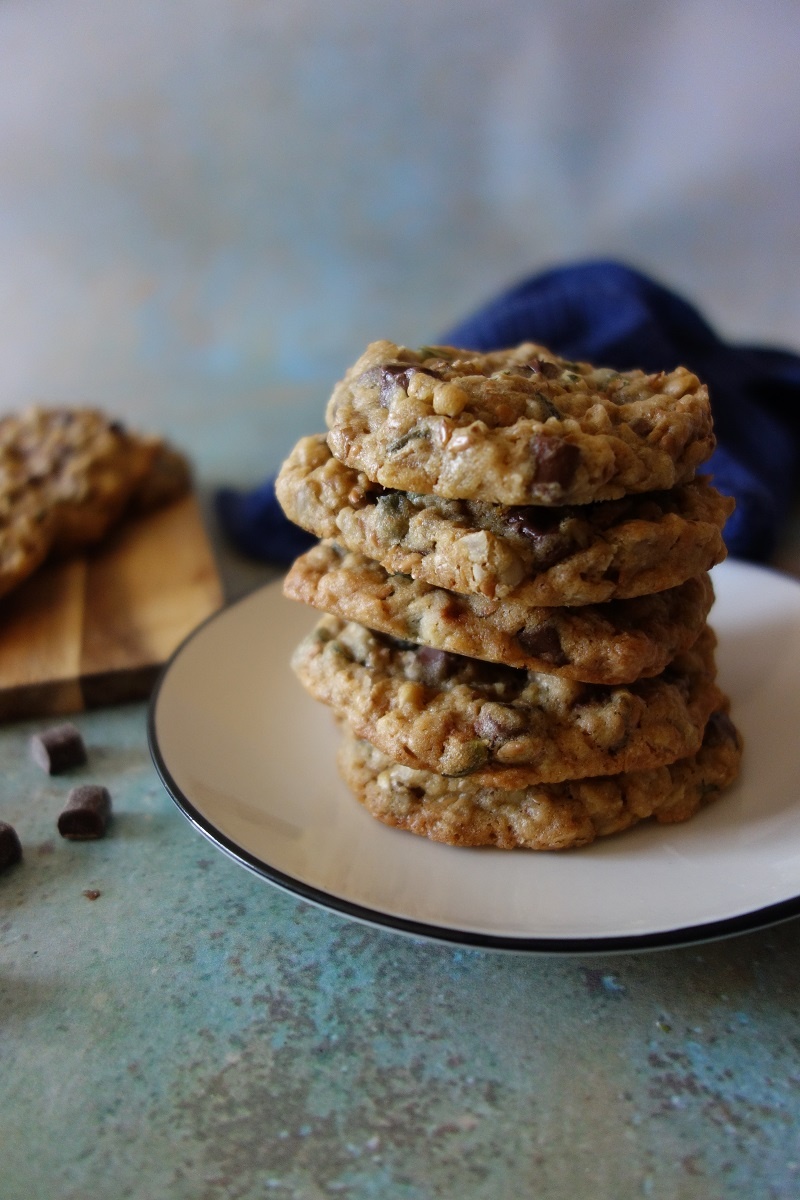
[557, 816]
[67, 476]
[504, 726]
[617, 642]
[518, 426]
[580, 554]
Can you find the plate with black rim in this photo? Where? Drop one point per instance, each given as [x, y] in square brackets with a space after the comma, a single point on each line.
[249, 758]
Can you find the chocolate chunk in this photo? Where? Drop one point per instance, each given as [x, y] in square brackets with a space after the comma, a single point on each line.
[719, 729]
[531, 521]
[550, 370]
[543, 642]
[58, 749]
[540, 526]
[86, 813]
[394, 375]
[497, 723]
[435, 665]
[538, 366]
[10, 847]
[556, 461]
[391, 375]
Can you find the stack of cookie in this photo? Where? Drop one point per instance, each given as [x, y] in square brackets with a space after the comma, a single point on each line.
[514, 567]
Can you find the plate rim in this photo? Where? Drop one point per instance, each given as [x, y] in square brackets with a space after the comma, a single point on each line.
[683, 935]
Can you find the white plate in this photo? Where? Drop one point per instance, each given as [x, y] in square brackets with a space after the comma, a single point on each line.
[249, 758]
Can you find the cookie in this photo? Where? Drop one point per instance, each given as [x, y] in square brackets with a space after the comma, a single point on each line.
[506, 727]
[612, 643]
[558, 816]
[536, 556]
[67, 476]
[518, 426]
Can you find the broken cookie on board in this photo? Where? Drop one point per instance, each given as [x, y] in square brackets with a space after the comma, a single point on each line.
[68, 476]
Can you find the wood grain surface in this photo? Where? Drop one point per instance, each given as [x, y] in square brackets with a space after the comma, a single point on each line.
[97, 629]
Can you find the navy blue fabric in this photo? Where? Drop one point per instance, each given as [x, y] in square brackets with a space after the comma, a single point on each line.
[257, 526]
[607, 313]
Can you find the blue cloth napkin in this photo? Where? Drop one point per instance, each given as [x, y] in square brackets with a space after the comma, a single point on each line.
[609, 314]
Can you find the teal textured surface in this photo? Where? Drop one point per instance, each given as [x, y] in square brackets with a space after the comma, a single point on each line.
[207, 209]
[192, 1032]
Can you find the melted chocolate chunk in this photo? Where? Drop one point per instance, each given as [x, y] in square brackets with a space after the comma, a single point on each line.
[550, 370]
[436, 665]
[720, 728]
[556, 461]
[531, 521]
[540, 526]
[497, 723]
[390, 375]
[543, 642]
[537, 366]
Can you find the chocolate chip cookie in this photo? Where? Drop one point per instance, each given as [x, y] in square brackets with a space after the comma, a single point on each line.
[576, 555]
[67, 476]
[463, 812]
[504, 726]
[617, 642]
[516, 427]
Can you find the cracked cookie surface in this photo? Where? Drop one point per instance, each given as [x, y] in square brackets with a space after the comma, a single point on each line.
[575, 555]
[559, 816]
[503, 726]
[516, 427]
[617, 642]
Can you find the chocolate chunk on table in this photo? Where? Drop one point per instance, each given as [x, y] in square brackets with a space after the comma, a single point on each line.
[10, 847]
[86, 814]
[58, 749]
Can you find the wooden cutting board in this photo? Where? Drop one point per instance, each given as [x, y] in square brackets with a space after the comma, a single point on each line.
[97, 629]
